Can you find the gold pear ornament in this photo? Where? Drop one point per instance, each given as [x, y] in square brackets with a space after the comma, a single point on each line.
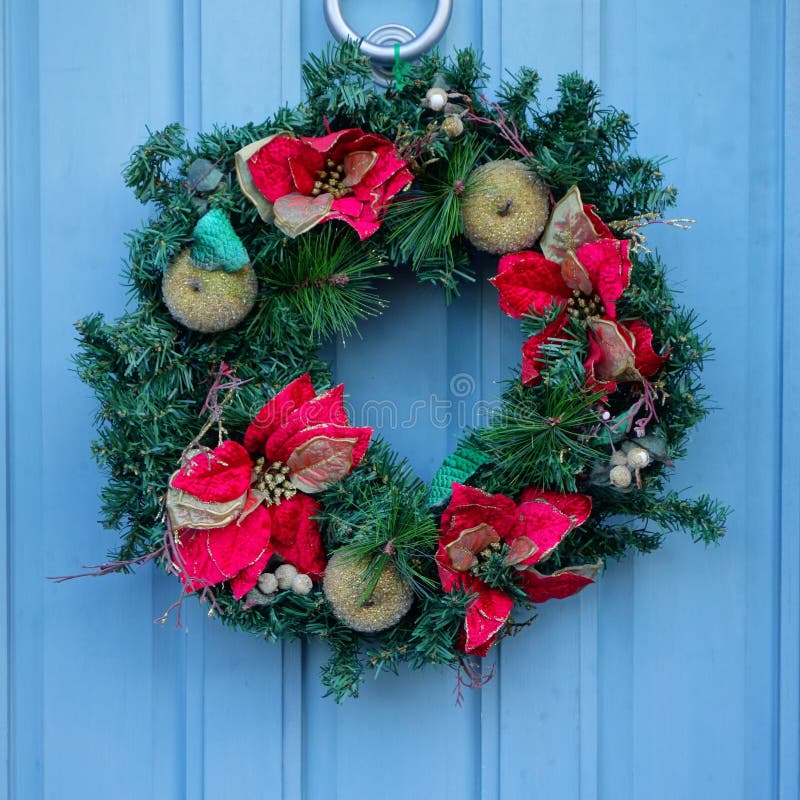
[211, 287]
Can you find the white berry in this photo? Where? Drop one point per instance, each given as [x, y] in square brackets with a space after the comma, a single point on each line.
[285, 575]
[620, 477]
[301, 584]
[436, 99]
[268, 583]
[638, 458]
[256, 598]
[619, 458]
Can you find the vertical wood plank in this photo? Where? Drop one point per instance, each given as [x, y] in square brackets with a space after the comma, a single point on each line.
[789, 688]
[192, 49]
[241, 46]
[23, 372]
[89, 124]
[5, 472]
[591, 32]
[541, 693]
[292, 764]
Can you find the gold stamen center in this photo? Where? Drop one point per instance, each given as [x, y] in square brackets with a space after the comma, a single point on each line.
[330, 180]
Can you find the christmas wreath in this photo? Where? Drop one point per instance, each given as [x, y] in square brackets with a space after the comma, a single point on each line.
[230, 457]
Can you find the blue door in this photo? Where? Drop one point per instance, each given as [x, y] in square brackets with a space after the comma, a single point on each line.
[676, 676]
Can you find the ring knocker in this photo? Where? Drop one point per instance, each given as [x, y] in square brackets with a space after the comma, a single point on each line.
[379, 43]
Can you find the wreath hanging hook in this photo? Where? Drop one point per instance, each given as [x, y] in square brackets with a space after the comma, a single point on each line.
[379, 44]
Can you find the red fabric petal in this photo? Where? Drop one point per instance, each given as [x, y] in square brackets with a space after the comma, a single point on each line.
[541, 588]
[269, 166]
[450, 579]
[276, 412]
[600, 228]
[577, 507]
[609, 268]
[364, 223]
[545, 526]
[486, 616]
[296, 536]
[302, 177]
[528, 281]
[648, 361]
[238, 552]
[532, 364]
[334, 145]
[217, 476]
[326, 408]
[399, 178]
[347, 206]
[469, 507]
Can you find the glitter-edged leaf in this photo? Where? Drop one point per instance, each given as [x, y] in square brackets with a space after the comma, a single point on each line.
[320, 462]
[463, 550]
[246, 182]
[569, 227]
[296, 213]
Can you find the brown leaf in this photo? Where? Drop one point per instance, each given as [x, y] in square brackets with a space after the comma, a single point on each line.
[187, 511]
[246, 183]
[320, 462]
[568, 229]
[295, 213]
[463, 550]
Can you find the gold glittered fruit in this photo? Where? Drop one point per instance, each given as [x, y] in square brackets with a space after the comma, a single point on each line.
[344, 587]
[504, 208]
[205, 300]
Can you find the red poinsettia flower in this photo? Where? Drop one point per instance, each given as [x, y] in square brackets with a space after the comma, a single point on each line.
[532, 529]
[592, 272]
[348, 175]
[235, 506]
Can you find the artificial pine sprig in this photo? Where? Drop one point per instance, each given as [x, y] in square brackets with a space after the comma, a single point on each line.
[538, 437]
[423, 225]
[328, 281]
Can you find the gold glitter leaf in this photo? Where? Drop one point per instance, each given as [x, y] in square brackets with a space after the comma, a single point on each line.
[357, 164]
[320, 462]
[187, 511]
[618, 360]
[246, 183]
[568, 229]
[295, 213]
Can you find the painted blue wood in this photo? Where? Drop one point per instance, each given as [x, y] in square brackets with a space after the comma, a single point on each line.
[677, 676]
[789, 666]
[22, 380]
[5, 620]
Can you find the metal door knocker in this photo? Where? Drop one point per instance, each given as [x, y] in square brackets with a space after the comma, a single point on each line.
[379, 44]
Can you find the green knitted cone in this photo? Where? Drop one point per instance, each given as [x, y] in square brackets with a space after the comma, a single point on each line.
[216, 245]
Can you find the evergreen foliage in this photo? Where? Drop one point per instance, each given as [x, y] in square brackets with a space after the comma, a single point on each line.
[151, 376]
